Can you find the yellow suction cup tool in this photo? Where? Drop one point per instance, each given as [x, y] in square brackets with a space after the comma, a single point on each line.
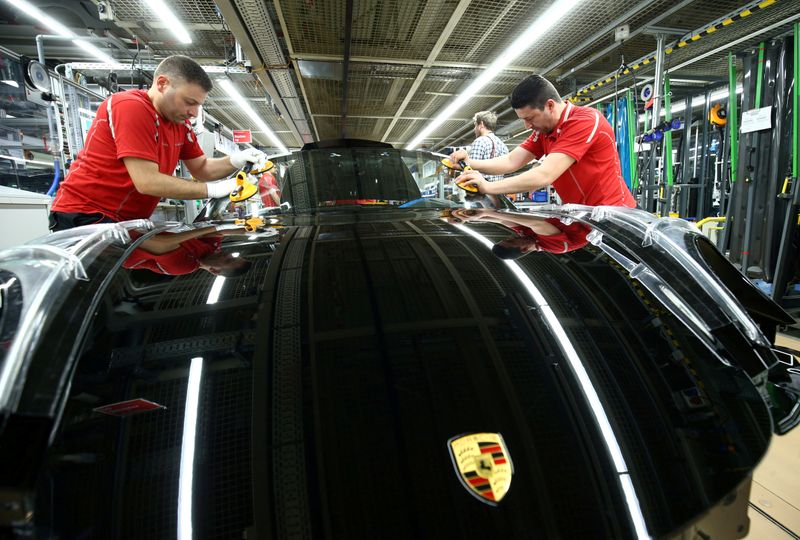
[244, 189]
[718, 116]
[252, 224]
[268, 165]
[471, 189]
[464, 167]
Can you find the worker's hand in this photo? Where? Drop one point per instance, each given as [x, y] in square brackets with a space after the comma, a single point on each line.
[222, 188]
[457, 156]
[472, 178]
[248, 155]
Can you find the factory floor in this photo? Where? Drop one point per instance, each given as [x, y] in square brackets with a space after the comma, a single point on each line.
[775, 495]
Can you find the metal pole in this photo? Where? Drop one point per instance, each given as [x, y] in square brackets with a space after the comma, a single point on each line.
[733, 144]
[790, 220]
[751, 189]
[666, 160]
[704, 209]
[656, 118]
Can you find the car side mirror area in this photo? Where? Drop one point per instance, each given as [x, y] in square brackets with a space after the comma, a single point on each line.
[781, 391]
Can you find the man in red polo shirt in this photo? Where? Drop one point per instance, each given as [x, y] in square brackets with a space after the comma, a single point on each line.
[580, 154]
[131, 150]
[181, 253]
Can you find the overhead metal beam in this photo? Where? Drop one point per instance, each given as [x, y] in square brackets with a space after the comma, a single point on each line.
[448, 29]
[378, 117]
[287, 38]
[576, 50]
[608, 28]
[348, 33]
[406, 62]
[154, 23]
[231, 16]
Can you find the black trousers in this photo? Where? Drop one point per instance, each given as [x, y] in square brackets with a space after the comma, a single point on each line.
[61, 221]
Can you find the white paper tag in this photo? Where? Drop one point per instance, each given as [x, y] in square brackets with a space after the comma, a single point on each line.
[757, 119]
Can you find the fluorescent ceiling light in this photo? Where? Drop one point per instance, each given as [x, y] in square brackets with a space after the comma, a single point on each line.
[94, 51]
[524, 42]
[216, 288]
[250, 113]
[117, 66]
[186, 477]
[58, 28]
[161, 10]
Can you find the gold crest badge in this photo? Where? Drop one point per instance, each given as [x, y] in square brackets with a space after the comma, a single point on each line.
[483, 465]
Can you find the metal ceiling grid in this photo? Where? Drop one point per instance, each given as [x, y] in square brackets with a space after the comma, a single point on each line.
[724, 35]
[717, 66]
[324, 95]
[191, 11]
[379, 97]
[487, 27]
[361, 128]
[315, 26]
[399, 28]
[328, 127]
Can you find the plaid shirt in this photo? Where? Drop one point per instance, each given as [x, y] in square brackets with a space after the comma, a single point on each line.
[488, 147]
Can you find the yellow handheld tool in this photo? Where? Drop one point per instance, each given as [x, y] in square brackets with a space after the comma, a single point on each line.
[251, 224]
[464, 167]
[244, 189]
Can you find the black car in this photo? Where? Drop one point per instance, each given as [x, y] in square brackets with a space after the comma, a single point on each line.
[365, 350]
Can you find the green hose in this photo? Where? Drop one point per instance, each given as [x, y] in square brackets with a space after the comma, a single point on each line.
[632, 122]
[733, 118]
[667, 134]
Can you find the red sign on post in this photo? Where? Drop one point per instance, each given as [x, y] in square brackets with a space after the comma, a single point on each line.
[127, 408]
[242, 136]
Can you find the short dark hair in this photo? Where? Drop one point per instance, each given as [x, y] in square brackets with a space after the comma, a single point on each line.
[504, 251]
[533, 91]
[183, 67]
[237, 267]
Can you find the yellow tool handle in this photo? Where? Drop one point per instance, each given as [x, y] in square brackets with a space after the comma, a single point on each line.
[464, 167]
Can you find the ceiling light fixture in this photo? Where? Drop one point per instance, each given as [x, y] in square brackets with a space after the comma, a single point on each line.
[250, 113]
[536, 30]
[59, 29]
[170, 20]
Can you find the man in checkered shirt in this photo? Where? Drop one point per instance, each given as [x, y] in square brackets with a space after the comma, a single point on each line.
[487, 145]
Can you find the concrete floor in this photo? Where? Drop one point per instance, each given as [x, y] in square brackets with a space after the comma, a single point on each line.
[776, 484]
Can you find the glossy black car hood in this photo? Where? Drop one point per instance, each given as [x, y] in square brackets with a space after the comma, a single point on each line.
[337, 369]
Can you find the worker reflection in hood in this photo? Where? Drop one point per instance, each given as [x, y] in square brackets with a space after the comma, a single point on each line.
[532, 233]
[181, 253]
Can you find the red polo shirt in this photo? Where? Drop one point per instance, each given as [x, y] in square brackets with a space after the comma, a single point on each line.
[126, 125]
[595, 178]
[569, 238]
[184, 259]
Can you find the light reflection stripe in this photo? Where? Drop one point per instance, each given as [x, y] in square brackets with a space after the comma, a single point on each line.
[614, 450]
[185, 481]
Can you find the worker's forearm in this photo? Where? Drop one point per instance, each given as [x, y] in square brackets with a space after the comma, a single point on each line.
[528, 181]
[214, 169]
[498, 165]
[166, 242]
[162, 185]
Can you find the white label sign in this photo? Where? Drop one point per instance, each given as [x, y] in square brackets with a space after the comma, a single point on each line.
[757, 119]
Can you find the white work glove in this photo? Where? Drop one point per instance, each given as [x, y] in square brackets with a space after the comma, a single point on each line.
[222, 188]
[242, 157]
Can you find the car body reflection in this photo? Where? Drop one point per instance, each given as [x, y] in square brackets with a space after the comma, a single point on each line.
[372, 327]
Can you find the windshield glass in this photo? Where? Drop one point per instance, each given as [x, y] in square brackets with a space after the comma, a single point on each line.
[332, 178]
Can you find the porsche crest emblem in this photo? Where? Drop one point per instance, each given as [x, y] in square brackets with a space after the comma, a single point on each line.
[483, 465]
